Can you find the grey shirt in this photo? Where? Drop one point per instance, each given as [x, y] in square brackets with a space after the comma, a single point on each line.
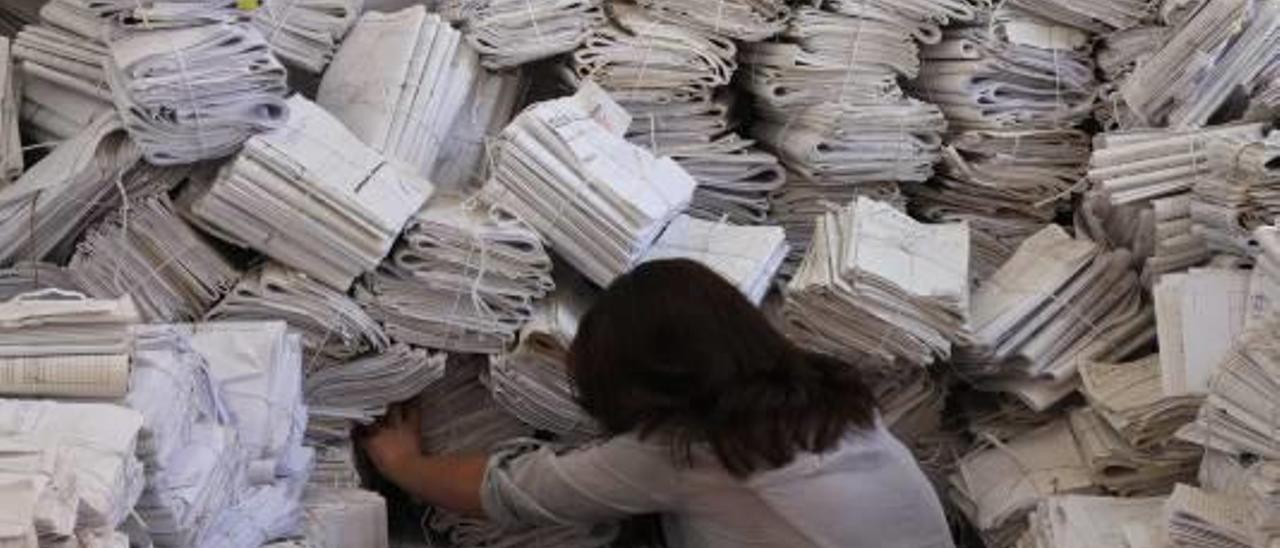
[867, 493]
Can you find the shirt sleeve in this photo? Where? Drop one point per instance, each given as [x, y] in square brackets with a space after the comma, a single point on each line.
[528, 483]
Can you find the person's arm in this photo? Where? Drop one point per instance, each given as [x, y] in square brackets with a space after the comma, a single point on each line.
[451, 482]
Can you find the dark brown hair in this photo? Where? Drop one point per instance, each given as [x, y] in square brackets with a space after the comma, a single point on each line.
[673, 349]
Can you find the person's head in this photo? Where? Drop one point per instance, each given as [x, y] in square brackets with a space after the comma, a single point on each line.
[672, 349]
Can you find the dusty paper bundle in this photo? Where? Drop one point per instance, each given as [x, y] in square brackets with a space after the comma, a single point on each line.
[361, 390]
[1238, 418]
[60, 196]
[746, 20]
[463, 278]
[1141, 165]
[10, 141]
[153, 74]
[334, 328]
[404, 105]
[1130, 397]
[598, 200]
[1160, 232]
[747, 256]
[311, 196]
[878, 282]
[146, 251]
[798, 204]
[1121, 468]
[1200, 314]
[508, 33]
[62, 344]
[1014, 70]
[1194, 518]
[1084, 521]
[997, 487]
[26, 277]
[1242, 193]
[531, 381]
[306, 33]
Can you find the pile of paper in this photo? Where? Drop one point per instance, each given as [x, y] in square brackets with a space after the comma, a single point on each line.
[1241, 195]
[10, 143]
[1238, 417]
[1194, 518]
[509, 33]
[460, 416]
[405, 104]
[1130, 397]
[334, 328]
[745, 20]
[1141, 165]
[797, 206]
[360, 391]
[146, 251]
[1096, 16]
[27, 277]
[337, 518]
[463, 278]
[747, 256]
[878, 282]
[63, 71]
[57, 343]
[1079, 521]
[1120, 467]
[306, 33]
[1199, 315]
[598, 200]
[311, 196]
[466, 156]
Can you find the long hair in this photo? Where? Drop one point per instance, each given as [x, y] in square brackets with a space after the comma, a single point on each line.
[672, 349]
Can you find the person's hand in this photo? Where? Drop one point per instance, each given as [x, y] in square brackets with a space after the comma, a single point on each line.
[394, 443]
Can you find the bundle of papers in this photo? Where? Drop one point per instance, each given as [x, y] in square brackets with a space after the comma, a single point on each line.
[335, 463]
[996, 487]
[1199, 315]
[337, 518]
[65, 59]
[1097, 16]
[146, 251]
[1014, 71]
[334, 328]
[58, 343]
[28, 277]
[876, 281]
[361, 390]
[746, 20]
[1160, 232]
[598, 200]
[200, 482]
[1195, 518]
[311, 196]
[798, 204]
[508, 33]
[463, 278]
[406, 103]
[1141, 165]
[1238, 417]
[306, 33]
[459, 416]
[154, 75]
[10, 142]
[747, 256]
[531, 382]
[1130, 397]
[1121, 468]
[60, 196]
[1241, 195]
[1080, 521]
[464, 158]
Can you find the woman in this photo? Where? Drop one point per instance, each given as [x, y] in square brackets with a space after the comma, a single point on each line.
[714, 419]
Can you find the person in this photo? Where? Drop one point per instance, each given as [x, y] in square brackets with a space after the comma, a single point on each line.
[712, 418]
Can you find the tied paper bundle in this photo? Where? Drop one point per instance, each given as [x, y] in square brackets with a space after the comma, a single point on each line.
[745, 20]
[1238, 416]
[62, 344]
[673, 80]
[1083, 521]
[798, 204]
[1008, 184]
[463, 160]
[1121, 468]
[1160, 232]
[1200, 313]
[746, 256]
[146, 251]
[877, 282]
[1194, 518]
[64, 78]
[306, 33]
[464, 279]
[1056, 303]
[58, 198]
[311, 196]
[1014, 70]
[334, 328]
[1130, 397]
[196, 93]
[404, 105]
[1095, 16]
[531, 382]
[10, 142]
[360, 391]
[28, 276]
[1140, 165]
[509, 33]
[598, 200]
[1241, 195]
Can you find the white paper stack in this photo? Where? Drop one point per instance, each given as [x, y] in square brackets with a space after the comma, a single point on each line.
[746, 20]
[1083, 521]
[1197, 518]
[996, 487]
[62, 344]
[747, 256]
[798, 204]
[311, 196]
[598, 200]
[361, 390]
[1119, 54]
[10, 142]
[464, 278]
[1238, 418]
[41, 479]
[1130, 397]
[306, 33]
[1199, 315]
[146, 251]
[334, 328]
[404, 104]
[1141, 165]
[1123, 469]
[339, 518]
[878, 282]
[62, 64]
[466, 156]
[531, 382]
[508, 33]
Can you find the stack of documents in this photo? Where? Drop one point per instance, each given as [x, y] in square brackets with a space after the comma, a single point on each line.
[153, 75]
[263, 514]
[1121, 468]
[747, 256]
[1238, 417]
[311, 196]
[508, 33]
[1140, 165]
[404, 104]
[1195, 518]
[1199, 315]
[63, 71]
[465, 157]
[463, 278]
[878, 282]
[673, 80]
[57, 198]
[341, 518]
[1013, 71]
[1160, 232]
[28, 276]
[745, 20]
[1130, 397]
[1096, 16]
[798, 204]
[62, 344]
[1241, 195]
[10, 142]
[334, 328]
[532, 381]
[996, 487]
[335, 464]
[305, 33]
[361, 390]
[459, 415]
[146, 251]
[1080, 521]
[598, 200]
